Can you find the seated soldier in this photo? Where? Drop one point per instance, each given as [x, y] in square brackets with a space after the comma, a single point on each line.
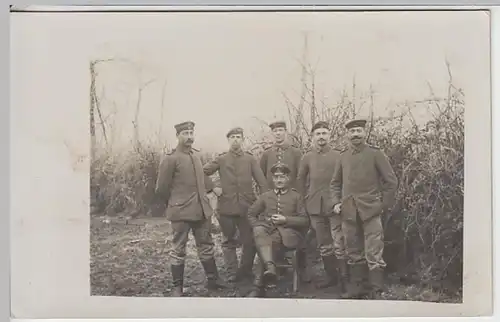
[278, 219]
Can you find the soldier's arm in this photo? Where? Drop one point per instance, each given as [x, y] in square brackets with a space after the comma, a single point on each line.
[165, 176]
[255, 210]
[258, 176]
[336, 183]
[389, 179]
[209, 169]
[302, 175]
[299, 219]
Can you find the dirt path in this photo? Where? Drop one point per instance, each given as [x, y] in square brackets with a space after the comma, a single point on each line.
[131, 259]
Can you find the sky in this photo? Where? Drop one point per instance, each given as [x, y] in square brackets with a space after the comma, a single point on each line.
[222, 70]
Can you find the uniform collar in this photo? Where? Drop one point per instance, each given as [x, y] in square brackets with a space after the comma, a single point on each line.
[184, 149]
[280, 191]
[285, 145]
[323, 149]
[359, 148]
[236, 152]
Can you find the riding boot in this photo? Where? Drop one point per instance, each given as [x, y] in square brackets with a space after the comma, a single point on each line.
[330, 263]
[344, 275]
[266, 256]
[246, 263]
[231, 261]
[376, 278]
[259, 289]
[214, 281]
[177, 280]
[355, 288]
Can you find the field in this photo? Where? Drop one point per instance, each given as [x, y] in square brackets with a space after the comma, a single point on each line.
[130, 258]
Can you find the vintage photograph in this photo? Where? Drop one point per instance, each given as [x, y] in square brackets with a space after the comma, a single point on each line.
[315, 155]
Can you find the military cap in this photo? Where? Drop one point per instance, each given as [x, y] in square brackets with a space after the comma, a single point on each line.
[235, 130]
[280, 168]
[276, 124]
[188, 125]
[320, 125]
[355, 123]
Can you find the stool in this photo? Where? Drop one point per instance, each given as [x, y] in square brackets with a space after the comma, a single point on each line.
[294, 265]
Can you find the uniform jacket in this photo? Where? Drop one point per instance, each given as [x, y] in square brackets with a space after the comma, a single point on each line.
[289, 204]
[365, 176]
[285, 153]
[236, 171]
[315, 174]
[183, 186]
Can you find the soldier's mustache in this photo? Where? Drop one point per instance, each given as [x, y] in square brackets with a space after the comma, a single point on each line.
[356, 137]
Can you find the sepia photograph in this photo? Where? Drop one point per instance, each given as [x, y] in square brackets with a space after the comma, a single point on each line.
[241, 161]
[331, 164]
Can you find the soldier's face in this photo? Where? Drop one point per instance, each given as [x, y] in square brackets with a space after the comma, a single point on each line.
[280, 180]
[235, 140]
[186, 137]
[279, 134]
[321, 136]
[357, 135]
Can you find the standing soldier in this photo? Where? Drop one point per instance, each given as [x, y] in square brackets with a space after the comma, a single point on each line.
[182, 185]
[363, 188]
[283, 151]
[236, 170]
[315, 174]
[278, 219]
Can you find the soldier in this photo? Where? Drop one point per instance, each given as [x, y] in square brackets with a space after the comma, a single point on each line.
[183, 186]
[283, 151]
[278, 219]
[363, 188]
[315, 174]
[236, 170]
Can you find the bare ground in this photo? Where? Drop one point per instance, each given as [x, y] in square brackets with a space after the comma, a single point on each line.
[130, 258]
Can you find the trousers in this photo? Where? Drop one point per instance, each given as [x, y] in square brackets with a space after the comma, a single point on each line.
[202, 237]
[329, 236]
[365, 242]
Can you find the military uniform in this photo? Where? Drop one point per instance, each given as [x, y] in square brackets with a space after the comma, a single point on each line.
[291, 156]
[236, 170]
[182, 185]
[270, 238]
[315, 173]
[365, 185]
[285, 153]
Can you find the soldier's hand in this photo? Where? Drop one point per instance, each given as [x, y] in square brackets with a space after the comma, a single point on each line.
[337, 208]
[217, 191]
[278, 219]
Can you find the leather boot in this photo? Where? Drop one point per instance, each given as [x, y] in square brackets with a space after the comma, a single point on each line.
[376, 278]
[266, 256]
[304, 272]
[177, 280]
[355, 288]
[258, 285]
[245, 270]
[344, 275]
[214, 282]
[231, 262]
[330, 263]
